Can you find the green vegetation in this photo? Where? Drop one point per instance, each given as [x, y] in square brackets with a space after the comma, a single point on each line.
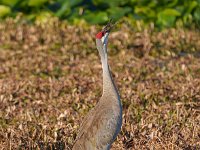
[167, 13]
[50, 72]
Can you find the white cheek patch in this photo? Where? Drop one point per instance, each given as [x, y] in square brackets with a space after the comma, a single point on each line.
[104, 39]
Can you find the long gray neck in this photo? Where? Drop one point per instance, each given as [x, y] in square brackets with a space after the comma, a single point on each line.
[108, 83]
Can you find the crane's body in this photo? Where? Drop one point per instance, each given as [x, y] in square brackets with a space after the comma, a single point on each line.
[103, 123]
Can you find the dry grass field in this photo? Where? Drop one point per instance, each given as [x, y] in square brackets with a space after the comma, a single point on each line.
[50, 77]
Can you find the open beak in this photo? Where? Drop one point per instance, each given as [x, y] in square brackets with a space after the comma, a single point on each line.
[107, 30]
[108, 27]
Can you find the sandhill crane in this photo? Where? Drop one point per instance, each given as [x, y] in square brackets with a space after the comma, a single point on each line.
[103, 123]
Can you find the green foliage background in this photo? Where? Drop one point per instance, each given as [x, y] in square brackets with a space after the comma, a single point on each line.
[166, 13]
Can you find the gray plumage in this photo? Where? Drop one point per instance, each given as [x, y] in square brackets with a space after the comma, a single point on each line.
[103, 123]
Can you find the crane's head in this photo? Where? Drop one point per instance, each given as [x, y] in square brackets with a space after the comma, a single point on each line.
[102, 36]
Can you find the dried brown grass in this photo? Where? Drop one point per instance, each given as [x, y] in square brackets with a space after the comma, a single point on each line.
[50, 77]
